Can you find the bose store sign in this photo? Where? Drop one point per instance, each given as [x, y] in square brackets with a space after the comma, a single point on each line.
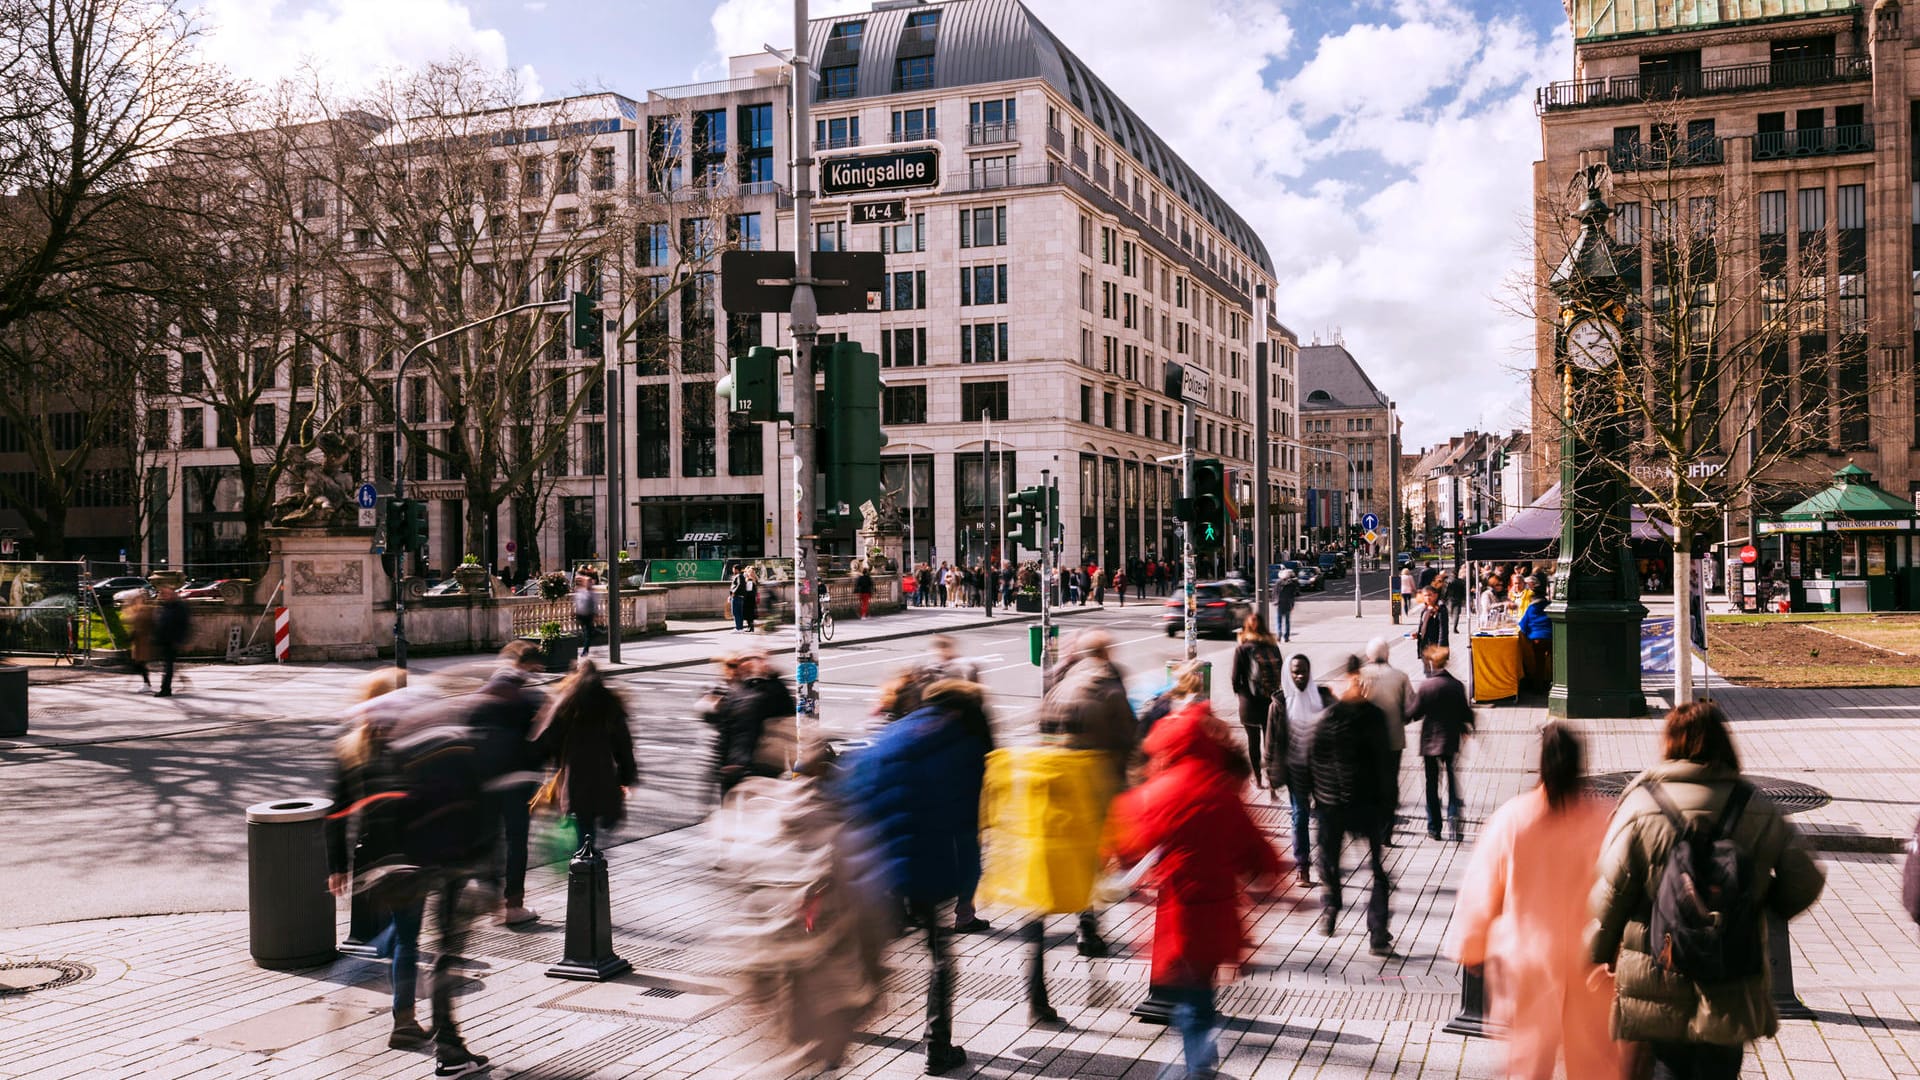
[901, 170]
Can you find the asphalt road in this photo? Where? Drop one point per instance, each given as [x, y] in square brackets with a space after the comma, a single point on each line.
[142, 825]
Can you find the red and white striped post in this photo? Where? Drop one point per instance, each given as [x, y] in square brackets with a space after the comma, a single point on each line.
[282, 635]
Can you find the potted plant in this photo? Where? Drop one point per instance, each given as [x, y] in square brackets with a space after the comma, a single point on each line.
[1027, 599]
[473, 577]
[558, 649]
[554, 585]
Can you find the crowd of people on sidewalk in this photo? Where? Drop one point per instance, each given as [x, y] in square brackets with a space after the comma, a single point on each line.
[1611, 938]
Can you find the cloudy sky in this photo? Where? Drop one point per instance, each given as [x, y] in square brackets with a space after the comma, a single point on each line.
[1382, 148]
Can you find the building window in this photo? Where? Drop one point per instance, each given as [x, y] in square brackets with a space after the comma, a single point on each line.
[665, 169]
[904, 405]
[903, 346]
[652, 427]
[743, 230]
[1086, 404]
[829, 236]
[910, 125]
[266, 428]
[709, 146]
[841, 81]
[193, 429]
[990, 121]
[983, 285]
[603, 168]
[836, 132]
[913, 73]
[745, 446]
[569, 179]
[847, 35]
[743, 332]
[906, 291]
[983, 226]
[1106, 410]
[696, 429]
[988, 398]
[990, 172]
[313, 198]
[906, 236]
[696, 324]
[756, 144]
[983, 343]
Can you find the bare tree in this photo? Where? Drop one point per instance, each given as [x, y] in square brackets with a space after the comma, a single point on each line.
[1744, 363]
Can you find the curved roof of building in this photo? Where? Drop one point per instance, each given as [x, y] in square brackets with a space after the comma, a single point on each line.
[988, 41]
[1332, 371]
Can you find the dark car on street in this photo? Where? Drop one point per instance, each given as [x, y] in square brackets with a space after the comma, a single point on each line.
[1219, 608]
[1333, 565]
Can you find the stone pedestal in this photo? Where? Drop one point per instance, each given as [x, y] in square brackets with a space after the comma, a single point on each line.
[891, 545]
[331, 584]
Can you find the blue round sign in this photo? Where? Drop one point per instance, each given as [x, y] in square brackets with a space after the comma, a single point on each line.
[1369, 522]
[367, 497]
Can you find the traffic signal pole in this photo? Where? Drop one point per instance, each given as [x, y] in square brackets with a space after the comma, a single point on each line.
[1186, 529]
[1262, 527]
[804, 319]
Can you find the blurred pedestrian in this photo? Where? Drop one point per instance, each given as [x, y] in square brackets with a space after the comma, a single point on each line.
[737, 598]
[1190, 813]
[586, 610]
[1432, 627]
[1120, 586]
[711, 709]
[1099, 585]
[1291, 723]
[171, 623]
[1696, 1022]
[1389, 688]
[916, 793]
[137, 616]
[1286, 591]
[1087, 709]
[1522, 915]
[1456, 598]
[584, 732]
[756, 724]
[1446, 719]
[1349, 754]
[503, 716]
[1259, 669]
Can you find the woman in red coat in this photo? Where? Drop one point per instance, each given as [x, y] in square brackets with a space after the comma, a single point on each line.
[1208, 847]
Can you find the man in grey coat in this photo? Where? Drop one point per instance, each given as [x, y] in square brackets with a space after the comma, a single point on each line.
[1389, 688]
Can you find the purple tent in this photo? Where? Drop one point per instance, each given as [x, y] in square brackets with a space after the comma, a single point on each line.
[1533, 534]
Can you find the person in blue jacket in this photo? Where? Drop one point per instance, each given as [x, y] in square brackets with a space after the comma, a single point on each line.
[1536, 632]
[916, 794]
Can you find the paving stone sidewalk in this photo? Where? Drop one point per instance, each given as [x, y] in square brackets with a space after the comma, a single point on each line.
[176, 996]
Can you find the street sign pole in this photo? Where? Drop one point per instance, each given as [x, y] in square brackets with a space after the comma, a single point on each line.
[805, 323]
[1262, 526]
[1186, 528]
[1046, 579]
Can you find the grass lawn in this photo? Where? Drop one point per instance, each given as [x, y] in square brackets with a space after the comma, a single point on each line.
[1820, 650]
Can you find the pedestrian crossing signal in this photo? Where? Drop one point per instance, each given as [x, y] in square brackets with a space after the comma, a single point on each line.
[1209, 505]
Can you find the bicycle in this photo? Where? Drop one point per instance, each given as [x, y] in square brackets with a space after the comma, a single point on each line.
[823, 621]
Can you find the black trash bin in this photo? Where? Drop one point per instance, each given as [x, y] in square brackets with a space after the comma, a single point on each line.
[290, 919]
[13, 699]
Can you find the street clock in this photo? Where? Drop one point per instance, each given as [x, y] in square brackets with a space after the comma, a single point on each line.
[1593, 344]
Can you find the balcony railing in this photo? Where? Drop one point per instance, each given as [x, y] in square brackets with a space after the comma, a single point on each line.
[1100, 174]
[837, 142]
[1812, 142]
[1641, 157]
[908, 83]
[991, 179]
[989, 134]
[929, 131]
[1628, 89]
[1079, 159]
[1120, 192]
[1056, 140]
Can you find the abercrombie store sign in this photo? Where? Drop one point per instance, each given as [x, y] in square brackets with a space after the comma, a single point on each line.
[901, 170]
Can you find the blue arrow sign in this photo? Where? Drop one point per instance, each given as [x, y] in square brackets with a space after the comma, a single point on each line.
[1369, 522]
[367, 497]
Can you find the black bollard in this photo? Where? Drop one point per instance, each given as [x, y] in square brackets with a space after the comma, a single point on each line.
[1472, 1020]
[1154, 1009]
[365, 920]
[1780, 966]
[589, 946]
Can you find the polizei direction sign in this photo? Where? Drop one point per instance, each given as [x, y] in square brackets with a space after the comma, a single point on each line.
[901, 170]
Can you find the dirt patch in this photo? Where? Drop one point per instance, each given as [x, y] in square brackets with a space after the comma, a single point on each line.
[1796, 654]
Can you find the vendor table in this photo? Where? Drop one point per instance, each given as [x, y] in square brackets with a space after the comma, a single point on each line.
[1496, 666]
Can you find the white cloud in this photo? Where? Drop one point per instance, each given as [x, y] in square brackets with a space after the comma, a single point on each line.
[354, 40]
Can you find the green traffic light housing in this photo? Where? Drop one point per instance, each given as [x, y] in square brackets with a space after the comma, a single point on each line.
[752, 385]
[850, 426]
[1027, 517]
[585, 322]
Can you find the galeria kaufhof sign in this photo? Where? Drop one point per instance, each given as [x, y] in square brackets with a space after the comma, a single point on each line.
[901, 170]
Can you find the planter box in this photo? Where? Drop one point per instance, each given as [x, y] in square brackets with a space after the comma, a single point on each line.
[1026, 602]
[558, 654]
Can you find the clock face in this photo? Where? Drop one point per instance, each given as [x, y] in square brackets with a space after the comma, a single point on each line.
[1593, 344]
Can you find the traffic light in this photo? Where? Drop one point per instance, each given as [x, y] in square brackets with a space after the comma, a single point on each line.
[1208, 505]
[586, 323]
[1026, 515]
[406, 525]
[1053, 514]
[417, 525]
[850, 426]
[396, 524]
[752, 385]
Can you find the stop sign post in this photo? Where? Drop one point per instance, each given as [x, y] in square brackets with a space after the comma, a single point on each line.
[1749, 555]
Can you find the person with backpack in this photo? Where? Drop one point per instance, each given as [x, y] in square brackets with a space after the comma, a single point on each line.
[1694, 866]
[755, 721]
[1258, 671]
[1522, 917]
[1286, 591]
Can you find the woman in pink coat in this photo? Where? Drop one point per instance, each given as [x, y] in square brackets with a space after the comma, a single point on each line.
[1523, 914]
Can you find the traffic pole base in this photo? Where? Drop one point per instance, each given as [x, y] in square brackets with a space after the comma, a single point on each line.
[1472, 1020]
[364, 923]
[589, 955]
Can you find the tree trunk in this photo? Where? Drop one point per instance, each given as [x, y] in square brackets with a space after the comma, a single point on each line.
[1682, 617]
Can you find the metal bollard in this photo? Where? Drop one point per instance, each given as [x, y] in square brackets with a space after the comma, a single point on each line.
[1155, 1008]
[1472, 1019]
[13, 700]
[1780, 969]
[290, 917]
[365, 920]
[589, 942]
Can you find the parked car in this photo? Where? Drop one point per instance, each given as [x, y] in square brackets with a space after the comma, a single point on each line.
[444, 588]
[1404, 558]
[205, 589]
[1219, 608]
[1333, 565]
[107, 587]
[1307, 575]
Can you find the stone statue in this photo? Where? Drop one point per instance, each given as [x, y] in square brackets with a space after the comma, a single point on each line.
[882, 515]
[319, 493]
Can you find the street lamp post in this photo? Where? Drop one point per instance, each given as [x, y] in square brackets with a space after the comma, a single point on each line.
[1596, 611]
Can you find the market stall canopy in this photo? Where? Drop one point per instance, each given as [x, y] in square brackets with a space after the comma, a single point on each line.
[1853, 503]
[1533, 534]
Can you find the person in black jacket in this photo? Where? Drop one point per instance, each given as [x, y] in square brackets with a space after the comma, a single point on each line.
[585, 731]
[1446, 717]
[170, 624]
[756, 723]
[1349, 759]
[503, 717]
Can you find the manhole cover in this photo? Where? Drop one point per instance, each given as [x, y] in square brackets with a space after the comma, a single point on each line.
[1790, 796]
[27, 976]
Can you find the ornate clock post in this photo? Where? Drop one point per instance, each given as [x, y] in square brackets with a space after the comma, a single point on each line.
[1596, 610]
